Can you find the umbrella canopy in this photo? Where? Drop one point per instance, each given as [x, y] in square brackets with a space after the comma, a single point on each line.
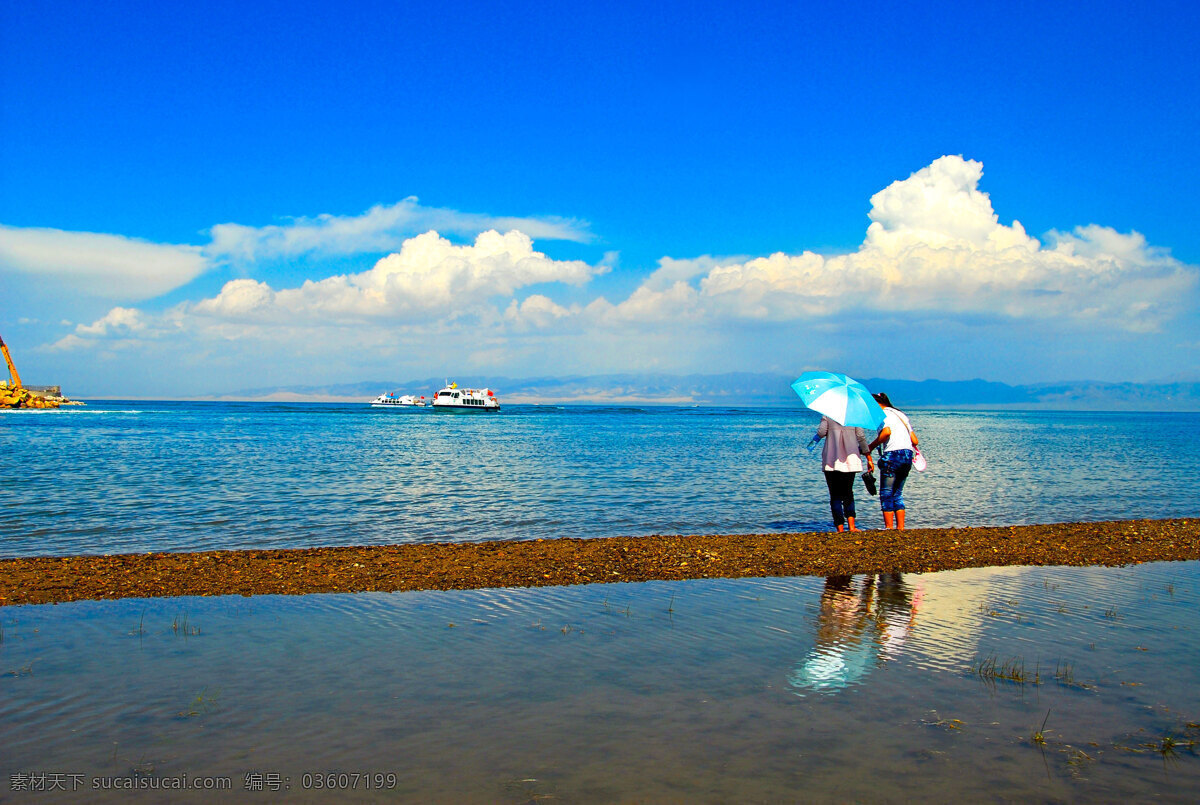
[843, 399]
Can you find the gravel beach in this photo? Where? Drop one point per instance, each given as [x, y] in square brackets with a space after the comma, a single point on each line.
[540, 563]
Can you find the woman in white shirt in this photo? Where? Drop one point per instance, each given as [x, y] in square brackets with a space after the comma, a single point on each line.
[842, 456]
[895, 461]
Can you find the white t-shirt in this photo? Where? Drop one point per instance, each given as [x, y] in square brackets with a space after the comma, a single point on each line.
[901, 435]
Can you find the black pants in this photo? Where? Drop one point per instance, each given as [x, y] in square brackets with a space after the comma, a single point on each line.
[841, 494]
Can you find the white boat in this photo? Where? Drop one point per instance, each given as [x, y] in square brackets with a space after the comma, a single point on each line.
[390, 399]
[452, 398]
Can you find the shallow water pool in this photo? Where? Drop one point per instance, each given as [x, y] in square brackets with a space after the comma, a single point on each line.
[1012, 683]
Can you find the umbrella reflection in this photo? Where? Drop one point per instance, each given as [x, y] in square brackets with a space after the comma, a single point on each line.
[860, 627]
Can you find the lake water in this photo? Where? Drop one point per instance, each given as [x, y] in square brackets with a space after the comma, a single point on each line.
[134, 477]
[1038, 684]
[776, 690]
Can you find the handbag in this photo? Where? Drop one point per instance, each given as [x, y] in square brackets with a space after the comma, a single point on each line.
[918, 460]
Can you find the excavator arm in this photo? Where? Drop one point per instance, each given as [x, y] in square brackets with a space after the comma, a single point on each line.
[12, 370]
[11, 393]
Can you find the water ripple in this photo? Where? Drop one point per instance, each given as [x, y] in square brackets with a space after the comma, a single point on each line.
[195, 476]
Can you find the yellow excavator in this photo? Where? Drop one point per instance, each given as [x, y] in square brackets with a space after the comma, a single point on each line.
[12, 395]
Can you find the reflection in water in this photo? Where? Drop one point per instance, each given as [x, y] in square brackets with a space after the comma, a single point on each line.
[860, 627]
[651, 692]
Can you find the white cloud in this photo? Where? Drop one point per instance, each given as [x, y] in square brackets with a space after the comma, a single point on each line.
[127, 269]
[426, 286]
[428, 278]
[671, 271]
[119, 324]
[379, 229]
[536, 312]
[119, 320]
[935, 246]
[99, 265]
[935, 251]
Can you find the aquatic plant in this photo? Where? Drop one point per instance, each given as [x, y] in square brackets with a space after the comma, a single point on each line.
[1039, 735]
[1078, 757]
[1013, 670]
[204, 702]
[944, 723]
[24, 670]
[181, 626]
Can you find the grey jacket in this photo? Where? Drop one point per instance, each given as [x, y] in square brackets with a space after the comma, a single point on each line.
[843, 446]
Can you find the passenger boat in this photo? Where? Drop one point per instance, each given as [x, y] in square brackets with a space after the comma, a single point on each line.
[390, 399]
[452, 398]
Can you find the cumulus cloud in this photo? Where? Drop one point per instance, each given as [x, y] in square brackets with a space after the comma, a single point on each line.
[934, 245]
[934, 249]
[127, 269]
[427, 286]
[429, 277]
[379, 229]
[100, 265]
[537, 312]
[119, 320]
[120, 324]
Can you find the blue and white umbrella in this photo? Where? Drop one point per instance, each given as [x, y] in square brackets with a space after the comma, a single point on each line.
[843, 399]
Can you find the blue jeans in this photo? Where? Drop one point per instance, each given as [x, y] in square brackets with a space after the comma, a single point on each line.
[893, 472]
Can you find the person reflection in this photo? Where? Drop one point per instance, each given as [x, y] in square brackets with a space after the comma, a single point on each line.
[860, 626]
[895, 614]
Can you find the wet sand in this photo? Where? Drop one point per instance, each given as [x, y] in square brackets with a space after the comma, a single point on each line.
[542, 563]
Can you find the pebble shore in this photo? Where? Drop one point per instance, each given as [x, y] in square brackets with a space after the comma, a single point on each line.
[565, 561]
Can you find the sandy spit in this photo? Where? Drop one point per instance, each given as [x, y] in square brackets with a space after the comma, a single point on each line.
[551, 562]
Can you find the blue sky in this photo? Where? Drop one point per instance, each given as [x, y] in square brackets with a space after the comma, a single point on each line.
[171, 175]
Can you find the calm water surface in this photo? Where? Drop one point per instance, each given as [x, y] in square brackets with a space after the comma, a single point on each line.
[775, 690]
[1047, 684]
[132, 477]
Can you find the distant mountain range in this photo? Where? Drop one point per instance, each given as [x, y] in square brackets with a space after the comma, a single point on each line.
[759, 389]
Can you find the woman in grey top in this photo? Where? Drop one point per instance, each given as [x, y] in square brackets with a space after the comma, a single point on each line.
[843, 454]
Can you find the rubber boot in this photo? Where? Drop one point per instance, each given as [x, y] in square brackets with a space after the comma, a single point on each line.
[900, 519]
[888, 519]
[841, 528]
[850, 523]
